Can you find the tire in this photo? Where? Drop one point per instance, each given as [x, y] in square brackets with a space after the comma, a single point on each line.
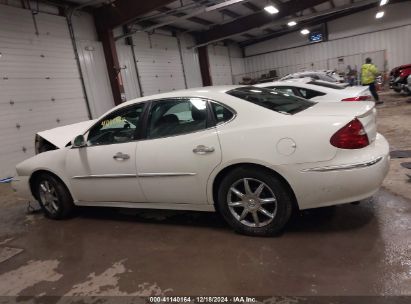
[277, 205]
[53, 196]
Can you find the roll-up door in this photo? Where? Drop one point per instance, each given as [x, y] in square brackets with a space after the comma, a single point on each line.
[40, 86]
[159, 63]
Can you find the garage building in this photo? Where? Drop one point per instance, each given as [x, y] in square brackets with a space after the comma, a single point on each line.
[68, 61]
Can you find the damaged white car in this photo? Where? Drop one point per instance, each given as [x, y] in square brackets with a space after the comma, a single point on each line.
[253, 154]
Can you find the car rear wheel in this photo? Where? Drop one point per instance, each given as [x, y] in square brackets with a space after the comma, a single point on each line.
[53, 196]
[254, 202]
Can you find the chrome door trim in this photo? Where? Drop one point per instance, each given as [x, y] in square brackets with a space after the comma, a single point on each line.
[166, 174]
[344, 167]
[104, 176]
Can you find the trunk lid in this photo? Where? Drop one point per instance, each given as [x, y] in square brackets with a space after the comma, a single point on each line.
[364, 111]
[357, 91]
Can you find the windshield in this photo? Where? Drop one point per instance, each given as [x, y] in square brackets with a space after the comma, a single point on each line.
[272, 100]
[327, 85]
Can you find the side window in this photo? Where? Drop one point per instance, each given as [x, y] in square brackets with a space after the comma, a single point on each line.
[221, 113]
[117, 127]
[178, 116]
[308, 94]
[285, 90]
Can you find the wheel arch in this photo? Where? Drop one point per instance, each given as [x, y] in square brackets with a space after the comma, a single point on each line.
[222, 173]
[38, 173]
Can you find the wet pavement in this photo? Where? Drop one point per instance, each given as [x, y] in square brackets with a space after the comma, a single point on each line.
[345, 250]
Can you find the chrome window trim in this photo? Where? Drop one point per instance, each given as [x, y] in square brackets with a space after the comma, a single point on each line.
[228, 108]
[156, 100]
[206, 129]
[344, 167]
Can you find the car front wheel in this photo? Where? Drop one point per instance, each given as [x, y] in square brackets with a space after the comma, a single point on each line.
[53, 196]
[254, 202]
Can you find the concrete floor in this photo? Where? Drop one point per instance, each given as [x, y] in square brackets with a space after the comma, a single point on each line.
[344, 250]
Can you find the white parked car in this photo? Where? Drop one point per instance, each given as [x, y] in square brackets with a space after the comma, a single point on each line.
[318, 90]
[324, 75]
[251, 153]
[409, 84]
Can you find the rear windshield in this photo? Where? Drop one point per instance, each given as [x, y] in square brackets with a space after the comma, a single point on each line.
[326, 85]
[271, 99]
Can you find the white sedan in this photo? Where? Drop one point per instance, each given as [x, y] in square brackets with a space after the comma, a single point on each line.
[318, 90]
[253, 154]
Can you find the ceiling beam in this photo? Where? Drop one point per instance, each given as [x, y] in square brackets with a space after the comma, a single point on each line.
[258, 19]
[230, 13]
[316, 21]
[181, 14]
[252, 7]
[122, 12]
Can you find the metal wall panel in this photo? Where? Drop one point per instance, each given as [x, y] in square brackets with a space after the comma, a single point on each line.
[351, 37]
[40, 85]
[97, 83]
[159, 63]
[128, 71]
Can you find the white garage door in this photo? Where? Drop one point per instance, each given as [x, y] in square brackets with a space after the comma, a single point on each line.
[159, 63]
[40, 86]
[220, 68]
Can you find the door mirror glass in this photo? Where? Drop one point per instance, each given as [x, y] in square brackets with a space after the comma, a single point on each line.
[79, 142]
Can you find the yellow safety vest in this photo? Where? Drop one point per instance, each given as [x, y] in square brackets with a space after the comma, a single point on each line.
[368, 73]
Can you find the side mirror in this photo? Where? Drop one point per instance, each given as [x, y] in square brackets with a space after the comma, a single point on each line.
[78, 142]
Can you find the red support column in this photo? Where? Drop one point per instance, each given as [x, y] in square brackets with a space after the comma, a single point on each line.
[113, 66]
[204, 66]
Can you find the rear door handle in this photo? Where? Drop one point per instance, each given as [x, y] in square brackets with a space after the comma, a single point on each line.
[121, 156]
[201, 149]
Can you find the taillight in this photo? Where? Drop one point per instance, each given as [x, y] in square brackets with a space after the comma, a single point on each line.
[358, 98]
[351, 136]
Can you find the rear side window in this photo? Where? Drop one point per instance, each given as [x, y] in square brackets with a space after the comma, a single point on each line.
[221, 113]
[308, 94]
[272, 100]
[285, 90]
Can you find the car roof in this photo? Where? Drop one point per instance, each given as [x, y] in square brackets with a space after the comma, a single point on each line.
[210, 92]
[301, 82]
[206, 92]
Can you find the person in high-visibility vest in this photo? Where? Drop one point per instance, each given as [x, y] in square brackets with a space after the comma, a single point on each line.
[369, 72]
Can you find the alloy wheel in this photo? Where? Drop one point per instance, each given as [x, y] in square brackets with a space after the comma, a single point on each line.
[252, 202]
[48, 196]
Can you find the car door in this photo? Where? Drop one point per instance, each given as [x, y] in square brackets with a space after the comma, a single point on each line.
[179, 153]
[105, 170]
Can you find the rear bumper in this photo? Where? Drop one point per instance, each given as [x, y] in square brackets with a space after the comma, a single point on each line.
[21, 186]
[341, 181]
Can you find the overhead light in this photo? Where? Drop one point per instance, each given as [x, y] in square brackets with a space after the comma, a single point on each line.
[292, 23]
[383, 2]
[271, 9]
[379, 15]
[305, 32]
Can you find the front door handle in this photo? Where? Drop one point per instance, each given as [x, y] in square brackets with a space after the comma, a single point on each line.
[121, 156]
[203, 149]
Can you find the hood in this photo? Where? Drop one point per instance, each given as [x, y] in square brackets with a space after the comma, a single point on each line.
[61, 136]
